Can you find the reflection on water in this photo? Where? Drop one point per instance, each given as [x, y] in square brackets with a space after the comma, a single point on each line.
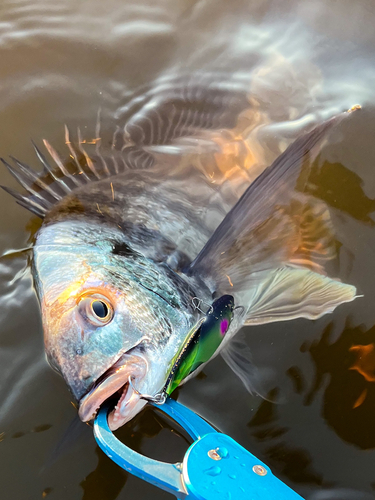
[295, 463]
[105, 482]
[364, 363]
[343, 190]
[349, 395]
[299, 61]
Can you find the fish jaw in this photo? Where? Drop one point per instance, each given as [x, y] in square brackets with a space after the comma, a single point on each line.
[135, 377]
[116, 380]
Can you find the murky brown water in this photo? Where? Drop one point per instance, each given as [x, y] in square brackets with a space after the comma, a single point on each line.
[60, 62]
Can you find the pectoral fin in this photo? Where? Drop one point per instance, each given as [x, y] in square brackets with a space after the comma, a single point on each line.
[288, 293]
[238, 357]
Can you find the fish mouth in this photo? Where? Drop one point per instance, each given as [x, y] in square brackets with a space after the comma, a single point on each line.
[115, 383]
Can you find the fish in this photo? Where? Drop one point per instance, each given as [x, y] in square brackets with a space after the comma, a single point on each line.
[148, 250]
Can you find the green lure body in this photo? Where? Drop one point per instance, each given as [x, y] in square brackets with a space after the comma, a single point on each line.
[202, 342]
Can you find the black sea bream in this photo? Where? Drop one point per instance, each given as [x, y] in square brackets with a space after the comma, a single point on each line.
[140, 238]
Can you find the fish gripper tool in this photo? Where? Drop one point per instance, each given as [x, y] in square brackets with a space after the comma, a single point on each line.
[215, 467]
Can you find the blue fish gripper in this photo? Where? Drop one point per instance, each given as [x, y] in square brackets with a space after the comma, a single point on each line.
[215, 467]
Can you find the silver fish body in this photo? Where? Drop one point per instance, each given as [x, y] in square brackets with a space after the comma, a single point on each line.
[137, 243]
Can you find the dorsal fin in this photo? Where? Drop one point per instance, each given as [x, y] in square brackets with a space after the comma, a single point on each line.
[47, 187]
[170, 111]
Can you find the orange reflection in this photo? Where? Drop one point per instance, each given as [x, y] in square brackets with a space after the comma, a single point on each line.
[360, 400]
[235, 155]
[365, 362]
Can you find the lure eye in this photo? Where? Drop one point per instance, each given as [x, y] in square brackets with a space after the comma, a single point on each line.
[96, 309]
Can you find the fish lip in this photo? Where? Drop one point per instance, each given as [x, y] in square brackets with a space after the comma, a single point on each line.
[113, 380]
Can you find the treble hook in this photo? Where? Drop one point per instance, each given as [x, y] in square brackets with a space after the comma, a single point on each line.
[158, 399]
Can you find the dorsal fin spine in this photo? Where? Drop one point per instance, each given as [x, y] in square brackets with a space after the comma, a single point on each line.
[68, 142]
[60, 164]
[33, 176]
[27, 203]
[88, 159]
[24, 179]
[46, 166]
[48, 169]
[99, 154]
[98, 142]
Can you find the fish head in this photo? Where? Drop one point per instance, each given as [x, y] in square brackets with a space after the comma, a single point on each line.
[113, 321]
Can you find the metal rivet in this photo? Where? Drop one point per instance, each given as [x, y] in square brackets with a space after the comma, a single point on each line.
[214, 454]
[260, 470]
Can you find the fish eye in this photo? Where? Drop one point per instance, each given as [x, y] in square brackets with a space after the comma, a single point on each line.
[96, 309]
[100, 308]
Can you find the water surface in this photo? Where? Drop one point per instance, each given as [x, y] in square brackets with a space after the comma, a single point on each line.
[301, 61]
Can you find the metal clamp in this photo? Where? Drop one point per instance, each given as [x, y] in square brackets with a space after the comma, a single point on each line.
[215, 467]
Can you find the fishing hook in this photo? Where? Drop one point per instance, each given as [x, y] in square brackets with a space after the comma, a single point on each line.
[158, 399]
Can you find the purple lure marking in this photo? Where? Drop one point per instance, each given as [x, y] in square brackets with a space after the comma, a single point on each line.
[224, 327]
